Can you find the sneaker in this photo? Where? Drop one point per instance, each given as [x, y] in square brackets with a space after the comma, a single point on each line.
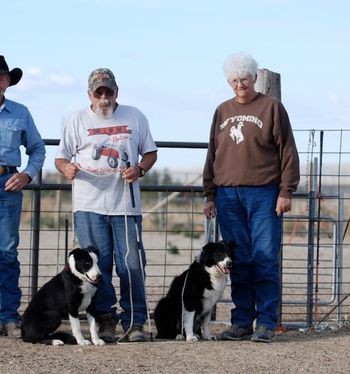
[106, 330]
[263, 334]
[12, 330]
[236, 332]
[135, 335]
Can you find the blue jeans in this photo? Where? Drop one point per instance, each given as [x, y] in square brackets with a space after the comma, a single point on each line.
[10, 214]
[247, 216]
[108, 235]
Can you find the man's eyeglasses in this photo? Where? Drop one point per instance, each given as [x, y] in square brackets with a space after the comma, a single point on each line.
[107, 92]
[244, 81]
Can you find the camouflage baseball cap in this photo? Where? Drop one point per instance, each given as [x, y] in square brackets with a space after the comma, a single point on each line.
[101, 77]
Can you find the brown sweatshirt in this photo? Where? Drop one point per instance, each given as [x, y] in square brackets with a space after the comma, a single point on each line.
[251, 145]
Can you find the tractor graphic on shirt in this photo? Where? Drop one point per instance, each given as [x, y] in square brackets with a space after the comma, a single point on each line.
[112, 153]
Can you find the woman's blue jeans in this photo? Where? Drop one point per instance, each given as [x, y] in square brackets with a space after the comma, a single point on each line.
[108, 235]
[247, 216]
[10, 214]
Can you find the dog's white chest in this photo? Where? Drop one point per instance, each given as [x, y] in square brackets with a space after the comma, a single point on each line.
[211, 297]
[88, 291]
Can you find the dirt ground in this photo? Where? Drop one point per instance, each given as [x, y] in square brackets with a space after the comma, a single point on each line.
[292, 352]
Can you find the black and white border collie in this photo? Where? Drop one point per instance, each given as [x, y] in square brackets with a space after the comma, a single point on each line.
[188, 305]
[65, 295]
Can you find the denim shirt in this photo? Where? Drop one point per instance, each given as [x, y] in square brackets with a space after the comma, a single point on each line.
[17, 128]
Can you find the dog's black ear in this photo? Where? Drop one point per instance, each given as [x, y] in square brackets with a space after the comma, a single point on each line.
[73, 251]
[230, 245]
[208, 246]
[90, 248]
[205, 252]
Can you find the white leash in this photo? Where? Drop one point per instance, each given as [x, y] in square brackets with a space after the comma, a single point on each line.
[74, 240]
[209, 230]
[181, 335]
[127, 268]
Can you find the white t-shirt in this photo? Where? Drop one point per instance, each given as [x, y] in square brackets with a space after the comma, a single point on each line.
[102, 147]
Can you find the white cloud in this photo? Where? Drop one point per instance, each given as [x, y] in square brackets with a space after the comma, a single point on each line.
[333, 98]
[35, 77]
[33, 71]
[61, 79]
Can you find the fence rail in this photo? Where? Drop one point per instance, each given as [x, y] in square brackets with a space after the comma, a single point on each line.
[315, 254]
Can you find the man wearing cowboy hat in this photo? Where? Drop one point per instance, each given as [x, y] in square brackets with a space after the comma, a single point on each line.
[17, 129]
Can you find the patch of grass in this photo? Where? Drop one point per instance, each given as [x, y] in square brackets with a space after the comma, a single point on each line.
[172, 248]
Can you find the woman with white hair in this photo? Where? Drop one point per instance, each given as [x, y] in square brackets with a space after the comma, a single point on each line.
[251, 170]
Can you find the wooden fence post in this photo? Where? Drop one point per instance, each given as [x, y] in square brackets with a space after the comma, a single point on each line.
[269, 83]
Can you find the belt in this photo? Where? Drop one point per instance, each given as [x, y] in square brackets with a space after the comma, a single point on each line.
[7, 169]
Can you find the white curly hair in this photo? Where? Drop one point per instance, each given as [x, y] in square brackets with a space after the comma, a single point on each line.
[240, 65]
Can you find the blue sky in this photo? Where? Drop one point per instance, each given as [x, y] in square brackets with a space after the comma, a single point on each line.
[167, 57]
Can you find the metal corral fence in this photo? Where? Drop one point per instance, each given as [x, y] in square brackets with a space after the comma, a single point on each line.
[315, 254]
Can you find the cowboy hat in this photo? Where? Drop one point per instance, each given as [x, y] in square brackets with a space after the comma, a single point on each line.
[15, 74]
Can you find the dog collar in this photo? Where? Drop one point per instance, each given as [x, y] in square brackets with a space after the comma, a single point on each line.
[67, 268]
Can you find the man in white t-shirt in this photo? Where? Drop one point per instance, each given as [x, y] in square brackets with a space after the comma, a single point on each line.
[100, 150]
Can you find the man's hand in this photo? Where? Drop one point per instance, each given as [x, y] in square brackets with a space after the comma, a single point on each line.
[131, 173]
[17, 182]
[283, 205]
[209, 209]
[70, 170]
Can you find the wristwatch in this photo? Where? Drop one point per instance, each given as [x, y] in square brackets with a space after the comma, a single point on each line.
[142, 171]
